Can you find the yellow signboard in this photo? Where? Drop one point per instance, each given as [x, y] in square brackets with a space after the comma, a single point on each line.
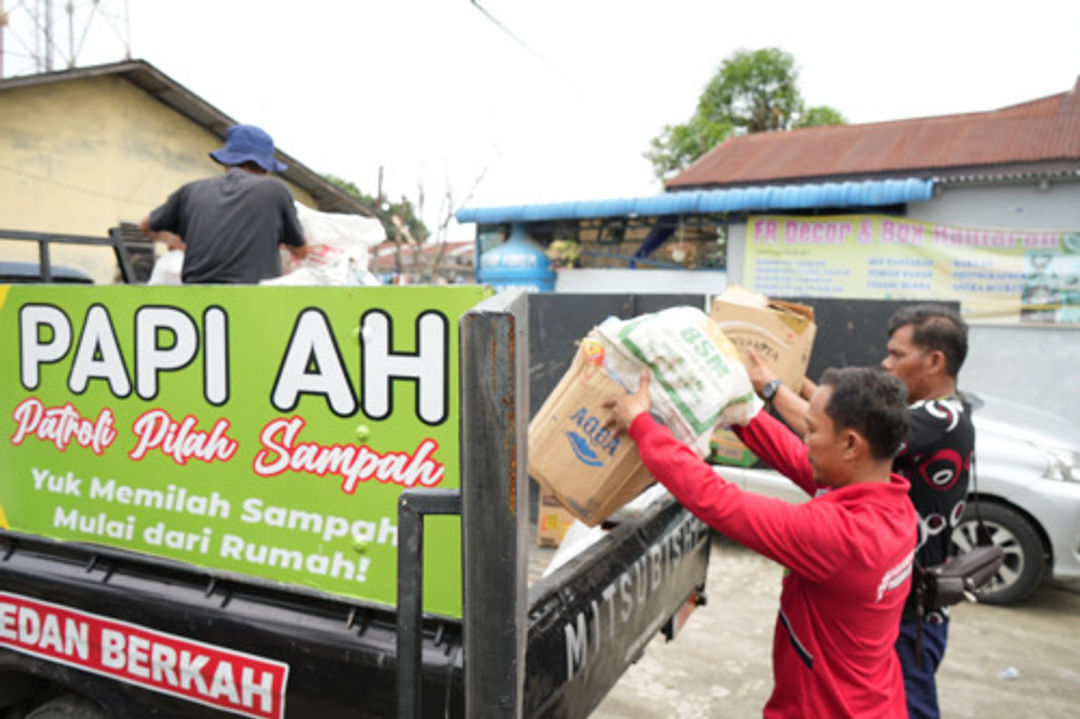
[996, 275]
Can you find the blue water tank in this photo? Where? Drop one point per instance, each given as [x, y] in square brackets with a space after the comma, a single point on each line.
[518, 262]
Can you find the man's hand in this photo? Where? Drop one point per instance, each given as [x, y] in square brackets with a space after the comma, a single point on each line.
[299, 253]
[760, 374]
[171, 240]
[625, 408]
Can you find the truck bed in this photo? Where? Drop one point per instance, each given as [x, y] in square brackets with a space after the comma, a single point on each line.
[577, 646]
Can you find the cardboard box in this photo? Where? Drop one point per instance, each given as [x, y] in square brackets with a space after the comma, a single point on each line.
[782, 334]
[587, 468]
[552, 521]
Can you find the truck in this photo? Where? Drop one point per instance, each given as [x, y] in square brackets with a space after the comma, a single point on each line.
[299, 501]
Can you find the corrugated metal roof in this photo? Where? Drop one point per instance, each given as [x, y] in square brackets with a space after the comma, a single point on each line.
[870, 193]
[157, 84]
[1042, 130]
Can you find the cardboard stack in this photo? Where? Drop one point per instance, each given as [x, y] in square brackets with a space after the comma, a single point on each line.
[697, 385]
[782, 335]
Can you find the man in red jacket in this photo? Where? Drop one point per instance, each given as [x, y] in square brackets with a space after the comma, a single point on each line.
[848, 550]
[927, 346]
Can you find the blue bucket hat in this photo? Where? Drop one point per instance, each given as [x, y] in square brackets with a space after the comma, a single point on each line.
[247, 143]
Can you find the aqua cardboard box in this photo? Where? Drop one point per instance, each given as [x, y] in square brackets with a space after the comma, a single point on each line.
[588, 468]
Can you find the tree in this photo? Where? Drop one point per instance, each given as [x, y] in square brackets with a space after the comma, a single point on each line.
[751, 91]
[399, 219]
[402, 224]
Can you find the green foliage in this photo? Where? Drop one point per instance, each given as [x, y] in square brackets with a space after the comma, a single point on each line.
[820, 115]
[679, 145]
[403, 210]
[751, 91]
[755, 91]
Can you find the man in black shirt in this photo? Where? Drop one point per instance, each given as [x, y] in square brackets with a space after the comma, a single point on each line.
[231, 226]
[927, 346]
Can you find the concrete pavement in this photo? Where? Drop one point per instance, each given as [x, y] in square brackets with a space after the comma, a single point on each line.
[1002, 662]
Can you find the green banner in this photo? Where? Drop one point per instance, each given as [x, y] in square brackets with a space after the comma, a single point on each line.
[262, 431]
[1002, 276]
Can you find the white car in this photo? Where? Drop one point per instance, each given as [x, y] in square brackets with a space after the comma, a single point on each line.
[1028, 476]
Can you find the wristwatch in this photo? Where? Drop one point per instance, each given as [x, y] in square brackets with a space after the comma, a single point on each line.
[769, 390]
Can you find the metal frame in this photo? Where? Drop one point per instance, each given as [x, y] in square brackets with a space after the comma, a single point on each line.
[44, 239]
[495, 503]
[413, 505]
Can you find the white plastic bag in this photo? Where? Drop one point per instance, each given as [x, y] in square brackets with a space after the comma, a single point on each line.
[337, 250]
[699, 383]
[167, 269]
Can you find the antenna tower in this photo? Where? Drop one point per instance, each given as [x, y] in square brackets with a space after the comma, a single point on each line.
[45, 35]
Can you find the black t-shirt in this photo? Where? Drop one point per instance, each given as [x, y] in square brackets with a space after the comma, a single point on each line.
[936, 458]
[232, 225]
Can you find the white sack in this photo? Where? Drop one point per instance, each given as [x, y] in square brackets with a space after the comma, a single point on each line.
[337, 250]
[698, 382]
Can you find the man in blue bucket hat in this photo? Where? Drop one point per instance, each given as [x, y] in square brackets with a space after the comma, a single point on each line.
[230, 226]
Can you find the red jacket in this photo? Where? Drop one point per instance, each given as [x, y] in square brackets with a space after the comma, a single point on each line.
[848, 552]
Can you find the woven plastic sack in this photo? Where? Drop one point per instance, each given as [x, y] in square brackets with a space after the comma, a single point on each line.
[699, 384]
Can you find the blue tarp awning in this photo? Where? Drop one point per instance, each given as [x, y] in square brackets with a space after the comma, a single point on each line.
[868, 193]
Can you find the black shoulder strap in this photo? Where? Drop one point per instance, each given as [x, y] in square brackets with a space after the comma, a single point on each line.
[982, 536]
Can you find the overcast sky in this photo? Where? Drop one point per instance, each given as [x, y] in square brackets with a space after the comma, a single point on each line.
[440, 96]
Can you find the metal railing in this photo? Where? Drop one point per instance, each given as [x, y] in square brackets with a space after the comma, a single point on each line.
[45, 239]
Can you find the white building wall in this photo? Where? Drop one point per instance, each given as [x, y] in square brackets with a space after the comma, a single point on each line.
[1032, 365]
[1036, 365]
[1014, 207]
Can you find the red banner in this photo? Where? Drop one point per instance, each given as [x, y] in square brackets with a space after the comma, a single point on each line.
[216, 676]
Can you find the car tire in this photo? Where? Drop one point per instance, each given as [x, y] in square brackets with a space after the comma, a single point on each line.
[1025, 561]
[15, 688]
